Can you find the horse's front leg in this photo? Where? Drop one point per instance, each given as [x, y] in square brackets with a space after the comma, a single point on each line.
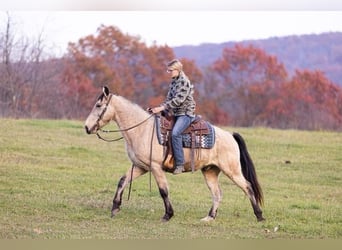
[161, 180]
[124, 180]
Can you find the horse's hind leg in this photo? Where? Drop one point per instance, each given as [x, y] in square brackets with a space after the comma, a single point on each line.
[133, 173]
[240, 181]
[210, 174]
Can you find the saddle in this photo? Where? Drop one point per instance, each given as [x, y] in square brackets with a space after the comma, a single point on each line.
[200, 134]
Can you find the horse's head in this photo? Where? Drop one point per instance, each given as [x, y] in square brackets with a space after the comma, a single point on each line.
[101, 114]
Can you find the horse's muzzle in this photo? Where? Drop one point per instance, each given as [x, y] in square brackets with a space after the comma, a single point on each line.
[87, 130]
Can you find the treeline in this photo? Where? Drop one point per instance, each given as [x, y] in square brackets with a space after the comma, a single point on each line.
[244, 87]
[313, 51]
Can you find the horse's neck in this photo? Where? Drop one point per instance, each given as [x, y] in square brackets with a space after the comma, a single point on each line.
[127, 115]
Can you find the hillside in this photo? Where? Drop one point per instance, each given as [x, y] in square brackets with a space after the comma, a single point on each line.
[314, 52]
[57, 182]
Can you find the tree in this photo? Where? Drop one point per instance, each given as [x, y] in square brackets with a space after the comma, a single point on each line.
[26, 74]
[245, 79]
[122, 62]
[308, 101]
[9, 84]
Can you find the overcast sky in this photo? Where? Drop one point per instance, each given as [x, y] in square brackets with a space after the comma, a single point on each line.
[171, 4]
[173, 27]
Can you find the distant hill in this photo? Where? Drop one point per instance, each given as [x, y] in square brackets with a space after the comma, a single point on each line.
[314, 52]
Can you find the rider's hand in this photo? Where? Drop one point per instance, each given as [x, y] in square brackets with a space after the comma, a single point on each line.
[157, 109]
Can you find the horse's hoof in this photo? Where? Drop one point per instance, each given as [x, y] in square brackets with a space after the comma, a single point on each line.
[207, 219]
[261, 219]
[114, 212]
[166, 218]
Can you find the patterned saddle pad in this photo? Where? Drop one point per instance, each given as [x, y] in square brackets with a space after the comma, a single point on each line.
[200, 133]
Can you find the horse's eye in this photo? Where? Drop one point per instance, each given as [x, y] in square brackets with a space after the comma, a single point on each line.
[98, 105]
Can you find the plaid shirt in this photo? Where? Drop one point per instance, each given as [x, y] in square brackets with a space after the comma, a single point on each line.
[180, 98]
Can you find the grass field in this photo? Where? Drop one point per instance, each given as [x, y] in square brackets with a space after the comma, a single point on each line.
[56, 182]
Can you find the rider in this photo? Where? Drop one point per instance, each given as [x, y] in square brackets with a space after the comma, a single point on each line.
[179, 100]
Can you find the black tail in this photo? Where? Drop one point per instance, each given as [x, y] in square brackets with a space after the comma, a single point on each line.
[248, 169]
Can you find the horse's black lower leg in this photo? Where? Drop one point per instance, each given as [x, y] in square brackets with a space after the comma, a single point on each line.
[257, 212]
[168, 207]
[256, 208]
[212, 213]
[118, 196]
[131, 174]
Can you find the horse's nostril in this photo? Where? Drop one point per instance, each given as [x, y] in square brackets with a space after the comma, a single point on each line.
[87, 129]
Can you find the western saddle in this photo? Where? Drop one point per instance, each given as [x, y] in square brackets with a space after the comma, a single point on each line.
[194, 133]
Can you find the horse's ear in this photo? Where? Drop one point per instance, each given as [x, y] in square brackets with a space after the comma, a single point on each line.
[105, 91]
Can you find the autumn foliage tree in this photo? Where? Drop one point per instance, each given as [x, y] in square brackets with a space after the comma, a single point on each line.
[244, 79]
[244, 87]
[253, 88]
[120, 61]
[308, 101]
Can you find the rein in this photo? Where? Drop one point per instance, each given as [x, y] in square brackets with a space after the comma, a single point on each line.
[126, 129]
[120, 130]
[108, 140]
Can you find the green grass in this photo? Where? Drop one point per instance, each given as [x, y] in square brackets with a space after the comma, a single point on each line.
[56, 182]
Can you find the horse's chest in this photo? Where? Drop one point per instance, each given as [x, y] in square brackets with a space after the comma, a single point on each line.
[132, 155]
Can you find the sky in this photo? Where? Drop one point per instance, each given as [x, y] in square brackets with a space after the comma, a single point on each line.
[171, 4]
[174, 27]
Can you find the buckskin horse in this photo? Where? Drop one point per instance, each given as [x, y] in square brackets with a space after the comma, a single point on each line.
[229, 155]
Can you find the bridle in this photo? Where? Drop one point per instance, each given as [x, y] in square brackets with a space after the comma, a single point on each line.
[99, 118]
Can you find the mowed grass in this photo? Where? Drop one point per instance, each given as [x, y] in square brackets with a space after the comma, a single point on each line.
[56, 182]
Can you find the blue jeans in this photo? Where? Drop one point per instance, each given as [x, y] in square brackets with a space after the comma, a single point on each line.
[182, 122]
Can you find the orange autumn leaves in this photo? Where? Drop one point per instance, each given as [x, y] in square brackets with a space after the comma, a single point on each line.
[244, 87]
